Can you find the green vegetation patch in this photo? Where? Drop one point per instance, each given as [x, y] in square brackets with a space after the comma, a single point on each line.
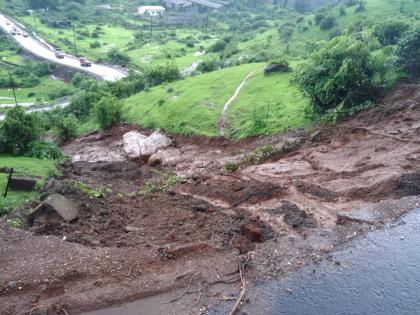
[22, 166]
[267, 104]
[190, 106]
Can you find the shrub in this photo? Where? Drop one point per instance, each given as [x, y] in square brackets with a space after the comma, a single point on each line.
[231, 167]
[327, 23]
[95, 44]
[339, 72]
[390, 32]
[66, 128]
[19, 129]
[277, 66]
[107, 111]
[318, 18]
[408, 51]
[160, 74]
[209, 65]
[45, 150]
[217, 46]
[117, 57]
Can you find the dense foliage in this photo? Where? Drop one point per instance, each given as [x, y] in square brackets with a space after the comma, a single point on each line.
[340, 72]
[408, 50]
[107, 111]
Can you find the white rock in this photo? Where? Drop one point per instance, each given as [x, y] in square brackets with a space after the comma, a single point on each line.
[137, 145]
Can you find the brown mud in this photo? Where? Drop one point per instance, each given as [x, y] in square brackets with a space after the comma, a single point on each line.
[139, 237]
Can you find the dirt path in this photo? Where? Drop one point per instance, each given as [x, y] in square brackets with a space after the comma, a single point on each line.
[222, 119]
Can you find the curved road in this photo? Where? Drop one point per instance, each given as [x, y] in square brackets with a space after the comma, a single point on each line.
[41, 49]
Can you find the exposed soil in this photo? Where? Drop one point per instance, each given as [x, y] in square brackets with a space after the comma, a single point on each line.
[187, 240]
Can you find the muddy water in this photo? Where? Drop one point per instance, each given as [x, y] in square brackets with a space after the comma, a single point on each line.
[379, 274]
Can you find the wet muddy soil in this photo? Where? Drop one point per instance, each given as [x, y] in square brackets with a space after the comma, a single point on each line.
[173, 229]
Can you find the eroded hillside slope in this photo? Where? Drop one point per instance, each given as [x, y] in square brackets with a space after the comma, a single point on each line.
[177, 225]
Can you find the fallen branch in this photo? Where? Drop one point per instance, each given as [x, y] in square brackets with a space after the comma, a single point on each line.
[243, 291]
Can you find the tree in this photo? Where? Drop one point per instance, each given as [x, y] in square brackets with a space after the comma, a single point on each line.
[107, 111]
[339, 72]
[390, 32]
[19, 129]
[66, 128]
[408, 51]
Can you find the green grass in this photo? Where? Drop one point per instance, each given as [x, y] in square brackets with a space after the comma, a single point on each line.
[194, 105]
[38, 93]
[267, 104]
[22, 166]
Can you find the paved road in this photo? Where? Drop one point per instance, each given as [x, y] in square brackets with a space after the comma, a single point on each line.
[41, 49]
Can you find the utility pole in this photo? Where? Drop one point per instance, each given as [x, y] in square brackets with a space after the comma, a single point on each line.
[74, 41]
[35, 26]
[151, 27]
[12, 84]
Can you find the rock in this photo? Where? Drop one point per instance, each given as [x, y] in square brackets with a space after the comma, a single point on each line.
[408, 185]
[296, 217]
[61, 205]
[360, 215]
[137, 145]
[132, 229]
[167, 157]
[22, 183]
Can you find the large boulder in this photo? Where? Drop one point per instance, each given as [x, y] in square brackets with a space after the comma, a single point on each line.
[137, 145]
[64, 207]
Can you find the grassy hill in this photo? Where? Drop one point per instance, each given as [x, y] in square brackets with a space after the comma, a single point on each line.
[193, 105]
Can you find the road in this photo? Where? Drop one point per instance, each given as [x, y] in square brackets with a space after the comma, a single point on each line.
[40, 48]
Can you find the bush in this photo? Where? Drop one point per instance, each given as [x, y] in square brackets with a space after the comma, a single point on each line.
[66, 128]
[390, 32]
[160, 74]
[95, 44]
[327, 23]
[217, 46]
[209, 65]
[19, 129]
[117, 57]
[277, 66]
[408, 51]
[231, 167]
[45, 150]
[339, 72]
[107, 111]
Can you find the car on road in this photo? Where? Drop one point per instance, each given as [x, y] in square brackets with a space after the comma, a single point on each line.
[84, 62]
[24, 34]
[59, 54]
[18, 33]
[13, 32]
[7, 23]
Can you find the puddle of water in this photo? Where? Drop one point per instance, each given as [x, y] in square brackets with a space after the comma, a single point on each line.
[379, 274]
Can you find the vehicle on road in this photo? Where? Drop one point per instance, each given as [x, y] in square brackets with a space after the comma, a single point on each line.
[7, 23]
[59, 54]
[24, 34]
[13, 32]
[18, 33]
[84, 62]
